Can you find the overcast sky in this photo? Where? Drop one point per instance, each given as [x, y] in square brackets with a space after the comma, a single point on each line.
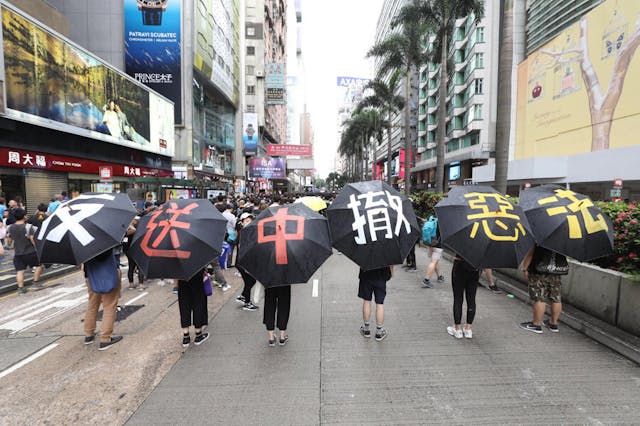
[336, 35]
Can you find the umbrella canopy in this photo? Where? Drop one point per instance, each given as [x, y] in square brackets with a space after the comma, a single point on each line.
[567, 222]
[284, 245]
[178, 239]
[314, 203]
[483, 227]
[372, 224]
[84, 227]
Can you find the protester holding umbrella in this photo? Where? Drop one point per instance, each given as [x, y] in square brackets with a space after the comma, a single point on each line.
[249, 281]
[464, 282]
[277, 300]
[374, 282]
[192, 301]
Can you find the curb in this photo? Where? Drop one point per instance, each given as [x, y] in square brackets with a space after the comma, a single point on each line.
[64, 270]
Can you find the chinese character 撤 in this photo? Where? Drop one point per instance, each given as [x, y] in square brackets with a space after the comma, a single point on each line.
[376, 215]
[503, 213]
[591, 225]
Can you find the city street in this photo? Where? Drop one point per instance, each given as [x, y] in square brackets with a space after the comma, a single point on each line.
[327, 372]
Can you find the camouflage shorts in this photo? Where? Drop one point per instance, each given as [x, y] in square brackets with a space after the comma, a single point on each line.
[544, 287]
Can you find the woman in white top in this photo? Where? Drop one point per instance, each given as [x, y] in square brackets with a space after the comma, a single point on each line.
[110, 118]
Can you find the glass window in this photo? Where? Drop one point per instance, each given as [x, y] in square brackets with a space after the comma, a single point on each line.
[251, 90]
[477, 112]
[480, 34]
[251, 69]
[479, 60]
[251, 50]
[478, 86]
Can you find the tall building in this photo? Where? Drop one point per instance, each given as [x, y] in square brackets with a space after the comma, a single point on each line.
[577, 109]
[471, 102]
[189, 51]
[69, 119]
[265, 76]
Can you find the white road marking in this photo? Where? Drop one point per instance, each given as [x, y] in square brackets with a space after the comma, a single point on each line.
[314, 292]
[136, 298]
[27, 360]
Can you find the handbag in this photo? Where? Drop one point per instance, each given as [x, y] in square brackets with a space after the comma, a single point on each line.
[206, 281]
[552, 263]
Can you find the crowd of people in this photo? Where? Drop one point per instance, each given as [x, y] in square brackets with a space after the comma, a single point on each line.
[18, 231]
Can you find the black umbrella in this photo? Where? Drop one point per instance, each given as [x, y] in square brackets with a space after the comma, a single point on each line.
[483, 227]
[84, 227]
[372, 224]
[284, 245]
[178, 239]
[567, 222]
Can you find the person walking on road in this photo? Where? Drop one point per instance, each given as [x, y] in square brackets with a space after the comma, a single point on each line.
[102, 278]
[22, 235]
[249, 281]
[491, 284]
[133, 269]
[542, 287]
[464, 282]
[192, 301]
[277, 301]
[374, 283]
[435, 253]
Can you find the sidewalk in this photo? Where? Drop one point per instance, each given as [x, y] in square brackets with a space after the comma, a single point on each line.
[328, 373]
[8, 281]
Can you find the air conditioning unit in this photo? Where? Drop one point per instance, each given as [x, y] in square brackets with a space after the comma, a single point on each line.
[259, 73]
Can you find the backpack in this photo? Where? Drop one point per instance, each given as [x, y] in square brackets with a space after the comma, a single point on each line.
[102, 272]
[429, 230]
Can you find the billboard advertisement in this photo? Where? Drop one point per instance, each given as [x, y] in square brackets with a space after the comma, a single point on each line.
[350, 93]
[578, 93]
[250, 133]
[267, 168]
[282, 150]
[52, 83]
[274, 83]
[153, 47]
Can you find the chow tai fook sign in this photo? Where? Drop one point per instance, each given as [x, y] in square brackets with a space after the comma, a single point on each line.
[51, 82]
[267, 168]
[19, 158]
[282, 150]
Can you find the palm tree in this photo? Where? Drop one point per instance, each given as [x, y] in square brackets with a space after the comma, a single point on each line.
[441, 15]
[387, 103]
[503, 121]
[401, 51]
[364, 125]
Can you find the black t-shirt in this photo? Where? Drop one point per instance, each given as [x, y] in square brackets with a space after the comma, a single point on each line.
[20, 235]
[380, 274]
[37, 219]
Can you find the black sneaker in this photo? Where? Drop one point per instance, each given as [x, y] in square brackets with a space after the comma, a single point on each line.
[37, 286]
[381, 334]
[552, 327]
[89, 339]
[249, 307]
[365, 331]
[272, 342]
[22, 290]
[494, 288]
[284, 341]
[186, 340]
[412, 269]
[530, 326]
[200, 338]
[107, 345]
[240, 299]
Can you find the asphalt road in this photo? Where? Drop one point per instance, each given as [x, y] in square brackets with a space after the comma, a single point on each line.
[326, 374]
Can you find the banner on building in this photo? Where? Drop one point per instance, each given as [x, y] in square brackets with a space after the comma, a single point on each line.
[274, 83]
[52, 83]
[250, 133]
[350, 92]
[152, 40]
[267, 168]
[282, 150]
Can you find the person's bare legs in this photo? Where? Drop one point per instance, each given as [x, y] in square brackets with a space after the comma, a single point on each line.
[556, 309]
[538, 312]
[366, 311]
[37, 273]
[379, 314]
[20, 278]
[489, 274]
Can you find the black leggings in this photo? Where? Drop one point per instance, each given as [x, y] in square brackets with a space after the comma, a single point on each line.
[132, 268]
[249, 281]
[465, 283]
[277, 299]
[192, 300]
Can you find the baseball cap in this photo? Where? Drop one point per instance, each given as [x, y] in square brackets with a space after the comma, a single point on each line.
[245, 215]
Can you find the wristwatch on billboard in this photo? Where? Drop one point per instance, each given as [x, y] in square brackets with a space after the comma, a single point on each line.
[152, 11]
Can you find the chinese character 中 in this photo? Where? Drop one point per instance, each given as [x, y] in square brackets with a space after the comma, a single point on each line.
[591, 225]
[376, 215]
[479, 201]
[281, 237]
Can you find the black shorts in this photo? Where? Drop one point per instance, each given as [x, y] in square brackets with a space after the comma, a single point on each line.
[371, 287]
[23, 261]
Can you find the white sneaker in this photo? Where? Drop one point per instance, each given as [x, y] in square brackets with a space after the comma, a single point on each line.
[455, 333]
[467, 333]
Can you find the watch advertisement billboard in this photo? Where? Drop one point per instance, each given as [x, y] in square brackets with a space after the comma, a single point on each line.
[52, 83]
[250, 133]
[267, 168]
[274, 83]
[152, 39]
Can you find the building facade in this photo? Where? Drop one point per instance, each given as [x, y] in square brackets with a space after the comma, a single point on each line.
[69, 120]
[471, 102]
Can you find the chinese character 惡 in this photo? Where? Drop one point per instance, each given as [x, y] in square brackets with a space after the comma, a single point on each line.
[376, 215]
[503, 213]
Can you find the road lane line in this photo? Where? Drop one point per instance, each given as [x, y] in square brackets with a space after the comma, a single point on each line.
[27, 360]
[136, 298]
[314, 292]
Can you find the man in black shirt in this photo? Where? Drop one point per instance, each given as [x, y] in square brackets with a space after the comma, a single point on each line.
[39, 217]
[23, 236]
